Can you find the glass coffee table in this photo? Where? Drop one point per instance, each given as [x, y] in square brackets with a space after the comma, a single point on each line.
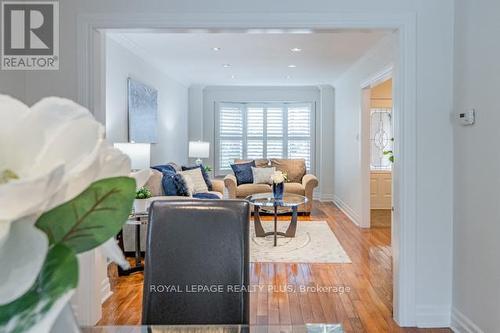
[267, 203]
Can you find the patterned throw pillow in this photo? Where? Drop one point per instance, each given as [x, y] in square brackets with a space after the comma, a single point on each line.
[206, 177]
[263, 175]
[243, 172]
[182, 185]
[196, 178]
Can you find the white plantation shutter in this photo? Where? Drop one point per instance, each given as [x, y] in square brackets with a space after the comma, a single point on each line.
[299, 121]
[254, 132]
[263, 130]
[299, 132]
[230, 135]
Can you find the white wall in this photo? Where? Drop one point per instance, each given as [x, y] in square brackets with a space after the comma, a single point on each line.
[434, 55]
[121, 64]
[347, 130]
[201, 118]
[476, 290]
[434, 159]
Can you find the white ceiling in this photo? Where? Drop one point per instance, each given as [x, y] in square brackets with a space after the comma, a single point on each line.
[255, 58]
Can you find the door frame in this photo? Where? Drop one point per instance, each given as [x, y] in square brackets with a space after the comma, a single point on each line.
[91, 93]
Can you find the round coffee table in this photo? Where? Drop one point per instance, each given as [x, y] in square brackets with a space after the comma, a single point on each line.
[267, 202]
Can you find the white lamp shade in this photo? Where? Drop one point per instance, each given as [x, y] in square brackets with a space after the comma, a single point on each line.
[139, 153]
[199, 149]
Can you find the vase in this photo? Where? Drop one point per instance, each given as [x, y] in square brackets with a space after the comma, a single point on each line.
[278, 189]
[140, 205]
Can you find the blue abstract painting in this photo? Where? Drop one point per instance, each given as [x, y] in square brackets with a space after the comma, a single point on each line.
[142, 112]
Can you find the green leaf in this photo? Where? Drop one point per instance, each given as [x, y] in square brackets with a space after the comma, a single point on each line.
[91, 218]
[58, 276]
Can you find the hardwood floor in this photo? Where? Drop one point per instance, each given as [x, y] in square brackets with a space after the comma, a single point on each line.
[361, 303]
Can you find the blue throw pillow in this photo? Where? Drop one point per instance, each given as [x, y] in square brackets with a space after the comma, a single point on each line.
[205, 175]
[165, 168]
[243, 172]
[206, 196]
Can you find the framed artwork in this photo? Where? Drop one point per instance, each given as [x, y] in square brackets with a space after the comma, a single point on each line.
[142, 112]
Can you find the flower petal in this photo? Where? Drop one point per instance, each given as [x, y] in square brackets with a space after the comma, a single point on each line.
[113, 252]
[71, 133]
[21, 258]
[141, 177]
[58, 319]
[26, 196]
[12, 113]
[114, 163]
[64, 321]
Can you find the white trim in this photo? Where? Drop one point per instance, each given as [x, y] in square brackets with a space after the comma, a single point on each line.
[404, 242]
[460, 323]
[326, 197]
[433, 316]
[347, 210]
[378, 78]
[105, 289]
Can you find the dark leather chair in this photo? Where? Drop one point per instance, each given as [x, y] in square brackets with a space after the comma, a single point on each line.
[197, 244]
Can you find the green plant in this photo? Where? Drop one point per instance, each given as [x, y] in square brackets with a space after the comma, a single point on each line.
[207, 168]
[389, 153]
[77, 226]
[143, 193]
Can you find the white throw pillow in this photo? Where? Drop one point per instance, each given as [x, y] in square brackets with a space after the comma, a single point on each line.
[196, 178]
[262, 175]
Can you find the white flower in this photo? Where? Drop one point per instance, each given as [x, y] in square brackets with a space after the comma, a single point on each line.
[278, 177]
[50, 153]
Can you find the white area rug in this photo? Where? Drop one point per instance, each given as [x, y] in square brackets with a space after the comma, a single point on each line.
[314, 242]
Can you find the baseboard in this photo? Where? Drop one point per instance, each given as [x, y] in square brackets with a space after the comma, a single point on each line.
[460, 323]
[347, 210]
[323, 197]
[105, 290]
[433, 316]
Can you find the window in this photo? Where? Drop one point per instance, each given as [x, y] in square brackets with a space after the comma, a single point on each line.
[380, 138]
[263, 130]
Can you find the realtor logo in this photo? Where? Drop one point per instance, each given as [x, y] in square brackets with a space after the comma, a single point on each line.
[30, 35]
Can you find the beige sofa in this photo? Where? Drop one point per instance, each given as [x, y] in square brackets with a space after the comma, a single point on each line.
[155, 186]
[299, 182]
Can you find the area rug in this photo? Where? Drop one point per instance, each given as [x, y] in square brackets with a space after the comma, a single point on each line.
[314, 242]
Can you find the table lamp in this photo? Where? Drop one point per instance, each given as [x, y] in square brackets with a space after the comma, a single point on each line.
[199, 150]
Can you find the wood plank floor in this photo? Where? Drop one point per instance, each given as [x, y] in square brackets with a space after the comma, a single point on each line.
[357, 295]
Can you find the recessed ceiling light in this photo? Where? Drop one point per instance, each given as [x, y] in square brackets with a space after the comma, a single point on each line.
[226, 65]
[295, 49]
[233, 76]
[216, 48]
[288, 77]
[292, 66]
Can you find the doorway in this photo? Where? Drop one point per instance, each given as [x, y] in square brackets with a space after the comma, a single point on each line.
[381, 140]
[90, 71]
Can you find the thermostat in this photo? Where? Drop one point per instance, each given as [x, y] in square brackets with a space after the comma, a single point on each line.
[467, 118]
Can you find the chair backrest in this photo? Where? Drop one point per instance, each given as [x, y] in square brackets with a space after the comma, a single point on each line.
[197, 263]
